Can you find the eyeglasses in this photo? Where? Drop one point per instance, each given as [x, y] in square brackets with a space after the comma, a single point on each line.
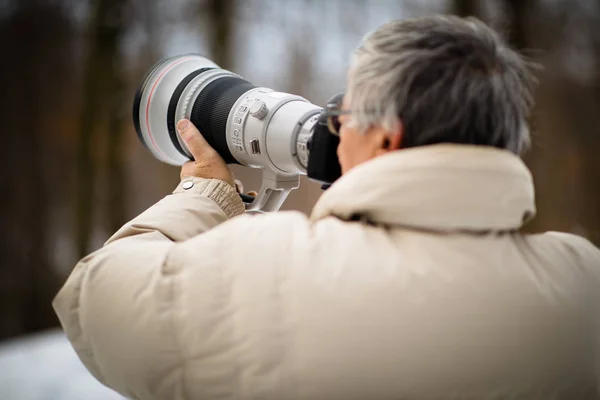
[334, 112]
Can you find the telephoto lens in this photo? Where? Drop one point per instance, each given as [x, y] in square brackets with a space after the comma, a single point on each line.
[249, 125]
[246, 124]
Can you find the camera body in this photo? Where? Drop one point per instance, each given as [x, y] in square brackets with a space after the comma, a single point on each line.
[282, 134]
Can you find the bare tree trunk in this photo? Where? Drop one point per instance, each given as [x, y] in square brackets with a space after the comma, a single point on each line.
[519, 16]
[106, 28]
[27, 283]
[593, 146]
[86, 174]
[222, 13]
[119, 111]
[116, 184]
[466, 8]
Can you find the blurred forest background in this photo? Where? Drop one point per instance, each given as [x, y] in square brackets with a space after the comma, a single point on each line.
[72, 170]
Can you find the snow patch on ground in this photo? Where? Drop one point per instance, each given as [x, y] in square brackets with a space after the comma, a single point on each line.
[45, 367]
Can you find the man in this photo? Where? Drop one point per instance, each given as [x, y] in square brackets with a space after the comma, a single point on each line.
[410, 280]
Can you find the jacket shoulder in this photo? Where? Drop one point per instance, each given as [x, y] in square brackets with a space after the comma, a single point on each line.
[574, 248]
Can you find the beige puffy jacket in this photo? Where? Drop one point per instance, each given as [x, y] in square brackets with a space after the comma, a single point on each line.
[409, 281]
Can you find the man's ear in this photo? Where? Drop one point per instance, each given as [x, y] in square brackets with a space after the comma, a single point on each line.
[392, 140]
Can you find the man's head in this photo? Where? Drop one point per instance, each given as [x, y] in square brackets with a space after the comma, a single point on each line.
[430, 80]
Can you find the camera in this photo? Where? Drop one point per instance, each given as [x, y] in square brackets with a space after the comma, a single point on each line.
[282, 134]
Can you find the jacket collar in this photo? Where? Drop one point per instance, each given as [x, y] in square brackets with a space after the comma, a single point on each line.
[438, 187]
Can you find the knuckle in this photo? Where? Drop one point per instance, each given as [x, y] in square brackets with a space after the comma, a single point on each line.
[189, 134]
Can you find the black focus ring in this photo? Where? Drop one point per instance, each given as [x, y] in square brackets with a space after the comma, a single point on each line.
[211, 111]
[173, 107]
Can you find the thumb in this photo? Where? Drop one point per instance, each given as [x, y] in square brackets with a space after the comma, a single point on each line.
[193, 139]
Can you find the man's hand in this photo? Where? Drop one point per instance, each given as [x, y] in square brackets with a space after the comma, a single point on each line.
[207, 162]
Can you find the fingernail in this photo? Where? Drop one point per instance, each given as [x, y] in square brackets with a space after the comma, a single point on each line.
[183, 125]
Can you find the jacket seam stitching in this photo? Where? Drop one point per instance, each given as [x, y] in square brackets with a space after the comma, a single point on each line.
[174, 325]
[289, 344]
[232, 333]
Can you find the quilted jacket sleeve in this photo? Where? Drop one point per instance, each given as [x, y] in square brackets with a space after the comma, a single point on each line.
[117, 305]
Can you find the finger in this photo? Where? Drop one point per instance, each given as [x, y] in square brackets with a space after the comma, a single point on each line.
[193, 139]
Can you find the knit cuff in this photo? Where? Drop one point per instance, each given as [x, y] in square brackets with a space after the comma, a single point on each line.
[217, 190]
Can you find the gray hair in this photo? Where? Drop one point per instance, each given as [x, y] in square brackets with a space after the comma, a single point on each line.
[447, 79]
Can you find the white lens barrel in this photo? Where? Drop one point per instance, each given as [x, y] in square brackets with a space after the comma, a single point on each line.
[282, 135]
[263, 129]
